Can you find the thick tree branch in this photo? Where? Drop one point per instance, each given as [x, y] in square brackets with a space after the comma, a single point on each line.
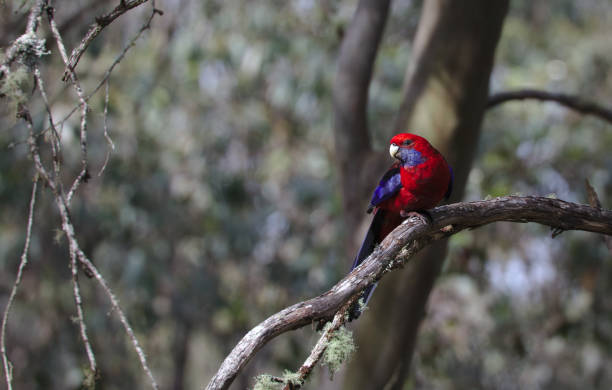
[397, 249]
[570, 101]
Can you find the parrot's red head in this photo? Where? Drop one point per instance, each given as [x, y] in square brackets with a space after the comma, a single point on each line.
[403, 146]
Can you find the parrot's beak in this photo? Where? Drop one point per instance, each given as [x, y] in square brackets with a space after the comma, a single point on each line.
[393, 150]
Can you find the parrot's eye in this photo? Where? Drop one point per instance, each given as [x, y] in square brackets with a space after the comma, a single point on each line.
[407, 142]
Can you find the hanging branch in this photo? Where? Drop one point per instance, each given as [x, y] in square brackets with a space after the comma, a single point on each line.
[399, 246]
[573, 102]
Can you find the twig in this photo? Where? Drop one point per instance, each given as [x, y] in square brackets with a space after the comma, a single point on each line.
[95, 29]
[9, 303]
[124, 321]
[317, 351]
[569, 101]
[83, 175]
[80, 317]
[55, 139]
[107, 74]
[397, 249]
[594, 202]
[109, 140]
[75, 250]
[54, 183]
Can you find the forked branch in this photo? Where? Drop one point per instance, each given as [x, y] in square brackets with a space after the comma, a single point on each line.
[397, 249]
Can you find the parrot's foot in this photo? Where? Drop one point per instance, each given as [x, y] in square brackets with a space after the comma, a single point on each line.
[422, 215]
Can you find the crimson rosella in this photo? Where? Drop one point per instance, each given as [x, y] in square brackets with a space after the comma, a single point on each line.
[417, 181]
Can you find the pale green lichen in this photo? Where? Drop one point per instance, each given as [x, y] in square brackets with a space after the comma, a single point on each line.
[266, 382]
[269, 382]
[362, 305]
[29, 49]
[14, 84]
[89, 380]
[339, 349]
[293, 377]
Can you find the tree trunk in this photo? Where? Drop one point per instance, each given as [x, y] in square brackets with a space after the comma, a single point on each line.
[445, 97]
[352, 143]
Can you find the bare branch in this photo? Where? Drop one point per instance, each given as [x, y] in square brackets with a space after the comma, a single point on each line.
[109, 140]
[55, 140]
[9, 303]
[122, 317]
[80, 317]
[52, 178]
[83, 175]
[570, 101]
[146, 25]
[96, 28]
[76, 251]
[397, 249]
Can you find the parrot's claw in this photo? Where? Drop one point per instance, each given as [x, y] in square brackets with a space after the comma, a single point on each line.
[422, 215]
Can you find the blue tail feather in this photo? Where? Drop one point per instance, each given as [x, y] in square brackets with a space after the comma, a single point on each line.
[370, 241]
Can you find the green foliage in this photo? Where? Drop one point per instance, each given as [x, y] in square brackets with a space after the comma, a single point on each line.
[339, 349]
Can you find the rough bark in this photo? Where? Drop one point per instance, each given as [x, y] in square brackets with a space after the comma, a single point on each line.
[446, 92]
[397, 249]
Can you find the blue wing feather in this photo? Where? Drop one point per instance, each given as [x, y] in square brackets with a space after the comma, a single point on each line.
[389, 185]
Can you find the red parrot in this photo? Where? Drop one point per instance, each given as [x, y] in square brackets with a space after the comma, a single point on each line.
[417, 181]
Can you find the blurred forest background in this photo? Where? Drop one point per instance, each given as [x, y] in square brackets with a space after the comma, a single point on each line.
[221, 203]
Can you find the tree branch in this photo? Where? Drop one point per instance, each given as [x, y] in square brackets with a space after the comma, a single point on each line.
[570, 101]
[397, 249]
[96, 28]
